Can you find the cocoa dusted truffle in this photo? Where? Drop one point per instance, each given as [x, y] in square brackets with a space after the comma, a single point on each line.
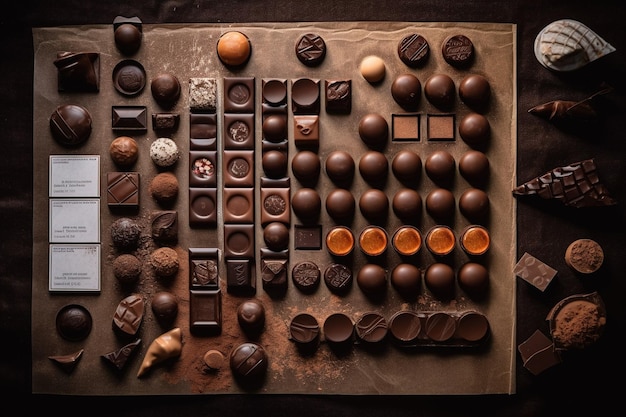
[440, 91]
[164, 188]
[584, 256]
[164, 261]
[125, 233]
[406, 90]
[124, 151]
[165, 89]
[127, 268]
[234, 48]
[164, 306]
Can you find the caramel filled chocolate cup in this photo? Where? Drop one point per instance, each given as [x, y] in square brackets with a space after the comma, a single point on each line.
[407, 240]
[440, 240]
[475, 240]
[373, 241]
[340, 241]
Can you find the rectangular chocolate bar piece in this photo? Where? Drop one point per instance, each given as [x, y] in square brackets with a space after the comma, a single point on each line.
[129, 118]
[203, 132]
[202, 207]
[274, 267]
[203, 95]
[238, 94]
[203, 169]
[205, 312]
[338, 96]
[240, 277]
[123, 189]
[238, 131]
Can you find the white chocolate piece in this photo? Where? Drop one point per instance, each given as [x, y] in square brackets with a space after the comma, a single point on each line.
[164, 152]
[168, 345]
[372, 68]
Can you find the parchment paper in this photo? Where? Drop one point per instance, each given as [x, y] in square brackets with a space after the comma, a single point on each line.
[189, 51]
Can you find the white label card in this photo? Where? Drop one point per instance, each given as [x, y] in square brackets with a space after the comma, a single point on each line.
[74, 221]
[74, 176]
[74, 268]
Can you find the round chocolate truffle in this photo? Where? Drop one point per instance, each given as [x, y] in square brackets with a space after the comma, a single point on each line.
[340, 204]
[406, 279]
[474, 129]
[311, 49]
[164, 152]
[474, 167]
[406, 90]
[70, 124]
[127, 38]
[371, 327]
[127, 268]
[407, 204]
[74, 322]
[164, 261]
[475, 91]
[440, 326]
[374, 130]
[251, 316]
[124, 151]
[474, 204]
[372, 279]
[164, 188]
[338, 328]
[407, 165]
[234, 48]
[373, 166]
[405, 326]
[458, 51]
[275, 163]
[306, 276]
[276, 236]
[248, 362]
[374, 204]
[275, 128]
[440, 204]
[372, 68]
[440, 91]
[306, 204]
[338, 278]
[306, 166]
[439, 279]
[440, 167]
[473, 279]
[165, 89]
[340, 166]
[125, 233]
[164, 306]
[413, 50]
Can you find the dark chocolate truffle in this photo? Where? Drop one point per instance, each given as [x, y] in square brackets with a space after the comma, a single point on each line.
[248, 362]
[407, 165]
[306, 204]
[338, 278]
[440, 167]
[251, 316]
[474, 167]
[406, 279]
[474, 129]
[439, 278]
[127, 38]
[440, 91]
[124, 151]
[340, 166]
[413, 50]
[374, 166]
[275, 163]
[474, 204]
[311, 49]
[407, 204]
[165, 89]
[458, 51]
[340, 204]
[440, 204]
[234, 48]
[475, 91]
[406, 90]
[127, 268]
[276, 236]
[473, 279]
[306, 276]
[70, 124]
[372, 279]
[125, 233]
[275, 128]
[306, 166]
[73, 322]
[338, 328]
[164, 306]
[164, 261]
[164, 187]
[371, 327]
[374, 204]
[374, 130]
[405, 326]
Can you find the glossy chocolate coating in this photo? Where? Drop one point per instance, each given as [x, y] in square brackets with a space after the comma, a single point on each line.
[127, 38]
[406, 90]
[311, 49]
[164, 305]
[440, 204]
[372, 279]
[340, 204]
[70, 124]
[306, 204]
[374, 204]
[406, 279]
[306, 166]
[407, 165]
[127, 268]
[123, 189]
[124, 151]
[475, 91]
[125, 233]
[276, 236]
[458, 51]
[165, 89]
[474, 204]
[78, 71]
[275, 163]
[340, 166]
[164, 226]
[338, 328]
[304, 329]
[407, 204]
[440, 91]
[413, 50]
[405, 326]
[474, 167]
[251, 316]
[473, 278]
[440, 327]
[373, 166]
[371, 327]
[338, 278]
[275, 128]
[305, 96]
[129, 77]
[306, 276]
[440, 279]
[74, 322]
[472, 326]
[440, 167]
[234, 48]
[274, 92]
[338, 96]
[129, 315]
[474, 129]
[374, 130]
[248, 362]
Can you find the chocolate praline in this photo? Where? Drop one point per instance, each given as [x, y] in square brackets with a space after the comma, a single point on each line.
[440, 166]
[372, 279]
[371, 327]
[406, 90]
[306, 204]
[406, 279]
[340, 204]
[164, 261]
[165, 89]
[474, 129]
[474, 167]
[338, 328]
[124, 151]
[475, 91]
[440, 204]
[473, 279]
[275, 128]
[340, 166]
[275, 163]
[74, 322]
[127, 268]
[306, 166]
[374, 204]
[311, 49]
[304, 330]
[127, 38]
[276, 236]
[407, 204]
[234, 48]
[405, 326]
[249, 362]
[164, 305]
[407, 165]
[439, 89]
[439, 278]
[306, 276]
[474, 204]
[413, 50]
[70, 124]
[458, 51]
[374, 130]
[373, 166]
[251, 316]
[125, 233]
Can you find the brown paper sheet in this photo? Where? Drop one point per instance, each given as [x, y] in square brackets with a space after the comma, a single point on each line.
[189, 51]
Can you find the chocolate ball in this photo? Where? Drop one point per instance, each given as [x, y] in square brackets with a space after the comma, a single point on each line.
[474, 129]
[407, 204]
[340, 166]
[340, 204]
[374, 204]
[372, 279]
[127, 38]
[165, 89]
[74, 322]
[474, 167]
[125, 233]
[164, 152]
[127, 268]
[407, 165]
[124, 151]
[406, 279]
[164, 306]
[372, 68]
[374, 130]
[70, 124]
[306, 166]
[373, 166]
[275, 128]
[440, 279]
[306, 204]
[275, 163]
[234, 48]
[251, 316]
[248, 363]
[164, 188]
[440, 204]
[475, 91]
[440, 91]
[406, 90]
[164, 261]
[440, 167]
[474, 204]
[276, 236]
[473, 278]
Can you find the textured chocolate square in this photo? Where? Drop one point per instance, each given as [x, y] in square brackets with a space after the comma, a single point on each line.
[440, 127]
[338, 96]
[165, 121]
[238, 168]
[202, 207]
[238, 94]
[306, 131]
[275, 205]
[238, 131]
[240, 278]
[129, 118]
[405, 126]
[238, 205]
[164, 226]
[123, 189]
[239, 241]
[203, 169]
[274, 267]
[307, 237]
[205, 311]
[203, 95]
[534, 271]
[204, 268]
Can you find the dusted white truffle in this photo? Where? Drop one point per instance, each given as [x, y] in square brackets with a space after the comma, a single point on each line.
[164, 152]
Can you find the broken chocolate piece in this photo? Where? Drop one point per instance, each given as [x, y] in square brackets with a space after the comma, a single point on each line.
[67, 362]
[575, 185]
[534, 271]
[538, 353]
[118, 358]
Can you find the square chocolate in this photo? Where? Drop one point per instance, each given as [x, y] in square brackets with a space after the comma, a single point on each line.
[274, 92]
[306, 131]
[238, 205]
[534, 271]
[240, 278]
[205, 311]
[202, 207]
[203, 132]
[538, 353]
[203, 95]
[203, 169]
[239, 241]
[238, 94]
[275, 205]
[338, 96]
[307, 237]
[305, 96]
[440, 127]
[78, 71]
[238, 131]
[274, 266]
[405, 126]
[238, 168]
[123, 189]
[204, 268]
[129, 118]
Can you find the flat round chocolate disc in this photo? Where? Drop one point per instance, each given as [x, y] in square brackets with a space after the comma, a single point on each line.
[311, 49]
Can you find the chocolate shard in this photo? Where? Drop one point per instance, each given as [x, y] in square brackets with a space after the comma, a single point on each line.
[118, 358]
[67, 362]
[575, 185]
[563, 112]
